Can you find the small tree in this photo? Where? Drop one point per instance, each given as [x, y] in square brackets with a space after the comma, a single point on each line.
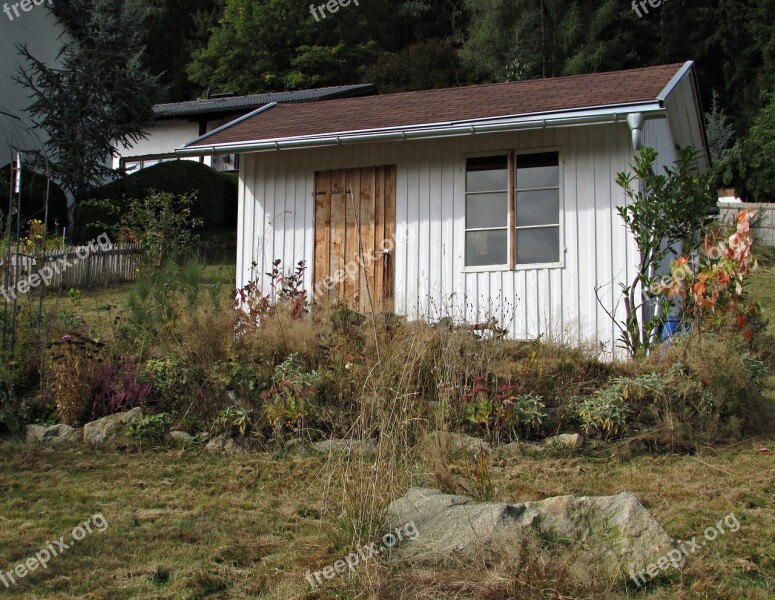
[662, 212]
[162, 224]
[98, 99]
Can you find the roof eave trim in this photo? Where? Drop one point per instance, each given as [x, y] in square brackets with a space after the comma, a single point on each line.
[676, 79]
[588, 116]
[231, 123]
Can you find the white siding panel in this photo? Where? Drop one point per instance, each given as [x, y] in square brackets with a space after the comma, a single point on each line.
[277, 211]
[685, 116]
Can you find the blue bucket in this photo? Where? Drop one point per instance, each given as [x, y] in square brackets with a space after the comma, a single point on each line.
[671, 327]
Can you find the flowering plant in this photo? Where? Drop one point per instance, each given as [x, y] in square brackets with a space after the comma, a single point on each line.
[716, 285]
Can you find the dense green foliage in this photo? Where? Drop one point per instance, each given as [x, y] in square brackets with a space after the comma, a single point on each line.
[216, 194]
[761, 153]
[34, 191]
[173, 30]
[417, 44]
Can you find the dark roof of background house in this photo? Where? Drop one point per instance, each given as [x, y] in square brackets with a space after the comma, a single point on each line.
[244, 104]
[450, 105]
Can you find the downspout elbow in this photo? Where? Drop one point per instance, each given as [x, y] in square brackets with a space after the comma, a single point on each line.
[635, 121]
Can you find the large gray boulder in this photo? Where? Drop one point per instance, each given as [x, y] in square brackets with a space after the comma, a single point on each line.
[614, 533]
[111, 429]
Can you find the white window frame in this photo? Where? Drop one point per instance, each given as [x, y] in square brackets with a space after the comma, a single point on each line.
[511, 243]
[561, 211]
[507, 227]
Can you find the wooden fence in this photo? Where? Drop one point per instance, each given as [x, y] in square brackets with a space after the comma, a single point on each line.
[73, 267]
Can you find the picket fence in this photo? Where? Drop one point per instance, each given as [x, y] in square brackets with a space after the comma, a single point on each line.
[75, 266]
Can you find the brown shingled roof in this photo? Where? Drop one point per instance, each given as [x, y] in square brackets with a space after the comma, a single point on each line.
[449, 105]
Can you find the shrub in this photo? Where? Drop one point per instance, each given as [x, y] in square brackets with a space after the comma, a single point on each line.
[499, 409]
[215, 204]
[149, 429]
[760, 148]
[234, 420]
[289, 402]
[286, 293]
[70, 381]
[117, 387]
[169, 378]
[605, 413]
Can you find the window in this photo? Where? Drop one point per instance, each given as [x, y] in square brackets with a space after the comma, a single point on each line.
[134, 164]
[487, 211]
[500, 232]
[538, 208]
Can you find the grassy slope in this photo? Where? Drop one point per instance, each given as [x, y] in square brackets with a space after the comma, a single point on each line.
[185, 524]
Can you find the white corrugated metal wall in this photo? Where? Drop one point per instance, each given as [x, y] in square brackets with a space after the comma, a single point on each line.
[276, 221]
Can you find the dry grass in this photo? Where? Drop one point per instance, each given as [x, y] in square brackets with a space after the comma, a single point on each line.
[190, 525]
[250, 526]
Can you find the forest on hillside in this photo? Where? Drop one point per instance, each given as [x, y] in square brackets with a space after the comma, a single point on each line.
[251, 46]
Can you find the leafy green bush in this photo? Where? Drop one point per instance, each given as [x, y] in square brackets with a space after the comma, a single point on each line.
[235, 421]
[289, 402]
[169, 378]
[149, 429]
[604, 413]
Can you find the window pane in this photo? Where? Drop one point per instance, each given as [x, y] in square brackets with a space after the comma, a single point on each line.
[487, 210]
[538, 208]
[538, 170]
[486, 248]
[488, 174]
[538, 245]
[538, 177]
[540, 159]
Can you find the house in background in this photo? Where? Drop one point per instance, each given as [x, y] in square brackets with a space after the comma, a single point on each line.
[177, 123]
[39, 30]
[492, 201]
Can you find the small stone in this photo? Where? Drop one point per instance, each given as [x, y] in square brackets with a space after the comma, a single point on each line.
[181, 437]
[223, 443]
[59, 435]
[454, 441]
[34, 434]
[566, 441]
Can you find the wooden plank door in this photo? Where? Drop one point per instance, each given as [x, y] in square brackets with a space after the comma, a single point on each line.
[355, 227]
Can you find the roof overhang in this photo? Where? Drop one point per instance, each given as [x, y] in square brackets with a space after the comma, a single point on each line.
[596, 115]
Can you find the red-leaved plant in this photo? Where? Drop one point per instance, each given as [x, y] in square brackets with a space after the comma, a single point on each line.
[117, 387]
[715, 287]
